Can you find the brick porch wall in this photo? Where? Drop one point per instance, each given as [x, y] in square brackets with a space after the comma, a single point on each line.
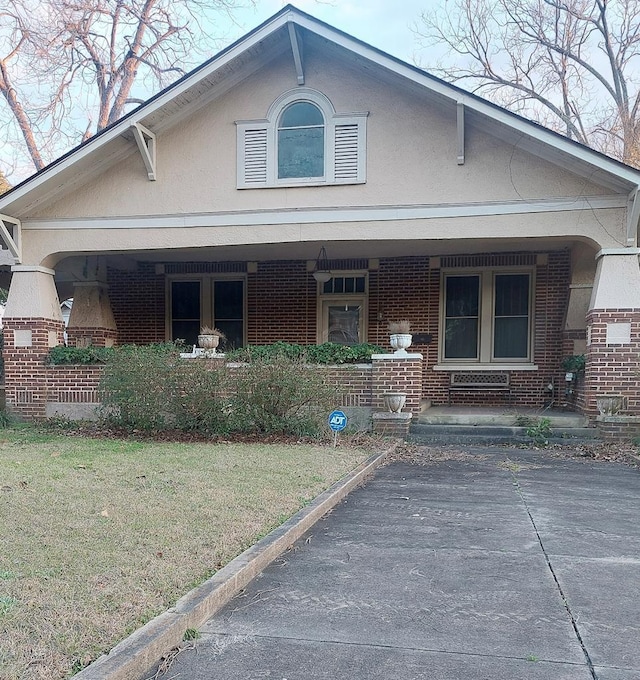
[79, 384]
[73, 384]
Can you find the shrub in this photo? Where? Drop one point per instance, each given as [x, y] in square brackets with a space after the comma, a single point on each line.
[151, 388]
[138, 387]
[282, 395]
[201, 402]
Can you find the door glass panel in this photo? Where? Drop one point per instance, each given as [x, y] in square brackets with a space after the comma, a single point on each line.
[344, 324]
[185, 311]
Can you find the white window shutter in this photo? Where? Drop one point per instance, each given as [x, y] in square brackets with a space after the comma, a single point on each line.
[349, 150]
[252, 156]
[346, 153]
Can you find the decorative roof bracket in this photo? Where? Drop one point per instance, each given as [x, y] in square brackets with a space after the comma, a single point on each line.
[296, 47]
[460, 126]
[633, 217]
[146, 141]
[11, 233]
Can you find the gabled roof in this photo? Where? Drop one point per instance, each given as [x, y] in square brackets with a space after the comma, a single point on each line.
[246, 55]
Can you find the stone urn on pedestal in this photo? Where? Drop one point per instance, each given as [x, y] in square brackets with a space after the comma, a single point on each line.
[209, 339]
[400, 336]
[394, 401]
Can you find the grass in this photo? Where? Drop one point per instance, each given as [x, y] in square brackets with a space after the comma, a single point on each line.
[97, 536]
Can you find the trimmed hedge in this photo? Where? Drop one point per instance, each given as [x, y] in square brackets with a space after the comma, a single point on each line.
[327, 353]
[73, 356]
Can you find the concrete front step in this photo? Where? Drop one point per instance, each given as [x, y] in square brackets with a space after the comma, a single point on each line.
[452, 415]
[421, 433]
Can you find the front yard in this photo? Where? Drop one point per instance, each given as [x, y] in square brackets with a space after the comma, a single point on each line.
[97, 536]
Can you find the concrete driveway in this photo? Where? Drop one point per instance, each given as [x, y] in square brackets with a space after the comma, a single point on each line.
[498, 565]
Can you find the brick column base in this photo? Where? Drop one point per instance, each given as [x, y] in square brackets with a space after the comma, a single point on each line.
[392, 424]
[27, 342]
[618, 428]
[613, 357]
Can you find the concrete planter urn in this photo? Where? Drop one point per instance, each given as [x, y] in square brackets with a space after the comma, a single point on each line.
[209, 338]
[394, 401]
[611, 404]
[400, 342]
[400, 336]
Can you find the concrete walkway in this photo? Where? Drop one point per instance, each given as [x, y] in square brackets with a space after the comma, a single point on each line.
[500, 565]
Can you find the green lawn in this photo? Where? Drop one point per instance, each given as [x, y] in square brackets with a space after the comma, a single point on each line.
[98, 536]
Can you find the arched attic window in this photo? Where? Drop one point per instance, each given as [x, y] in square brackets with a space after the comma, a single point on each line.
[302, 142]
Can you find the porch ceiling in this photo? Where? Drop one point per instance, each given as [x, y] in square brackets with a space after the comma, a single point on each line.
[335, 250]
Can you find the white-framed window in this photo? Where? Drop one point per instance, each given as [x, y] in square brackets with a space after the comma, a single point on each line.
[487, 317]
[342, 309]
[303, 141]
[207, 300]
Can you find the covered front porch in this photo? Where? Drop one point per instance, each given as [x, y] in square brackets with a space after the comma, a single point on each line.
[500, 314]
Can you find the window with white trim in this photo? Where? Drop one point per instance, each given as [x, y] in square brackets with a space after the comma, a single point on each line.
[207, 301]
[303, 141]
[487, 317]
[342, 309]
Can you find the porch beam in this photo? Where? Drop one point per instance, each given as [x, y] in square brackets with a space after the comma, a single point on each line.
[146, 141]
[633, 217]
[11, 233]
[296, 48]
[378, 213]
[460, 127]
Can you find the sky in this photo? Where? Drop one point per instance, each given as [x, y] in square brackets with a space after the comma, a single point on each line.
[385, 24]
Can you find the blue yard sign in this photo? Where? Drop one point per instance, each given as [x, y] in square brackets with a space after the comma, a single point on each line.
[337, 421]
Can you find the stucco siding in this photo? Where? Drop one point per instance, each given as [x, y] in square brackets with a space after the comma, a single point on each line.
[411, 155]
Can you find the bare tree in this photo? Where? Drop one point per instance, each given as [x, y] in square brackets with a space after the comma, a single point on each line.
[570, 64]
[69, 68]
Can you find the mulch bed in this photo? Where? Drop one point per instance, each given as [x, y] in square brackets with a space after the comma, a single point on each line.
[605, 452]
[616, 452]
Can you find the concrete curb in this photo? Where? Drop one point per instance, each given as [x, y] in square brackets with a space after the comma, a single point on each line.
[136, 654]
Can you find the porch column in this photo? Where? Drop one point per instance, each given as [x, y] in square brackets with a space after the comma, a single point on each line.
[91, 321]
[613, 330]
[32, 326]
[395, 373]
